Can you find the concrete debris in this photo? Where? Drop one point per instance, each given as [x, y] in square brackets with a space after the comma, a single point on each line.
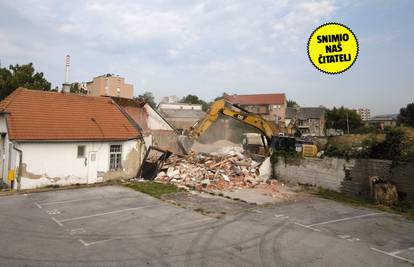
[265, 170]
[211, 172]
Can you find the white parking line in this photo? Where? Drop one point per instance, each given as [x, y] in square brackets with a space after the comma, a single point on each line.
[83, 242]
[309, 227]
[106, 213]
[66, 201]
[401, 251]
[38, 205]
[78, 200]
[58, 222]
[393, 254]
[346, 219]
[95, 242]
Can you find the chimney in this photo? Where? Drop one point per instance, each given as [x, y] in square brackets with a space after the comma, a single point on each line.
[66, 84]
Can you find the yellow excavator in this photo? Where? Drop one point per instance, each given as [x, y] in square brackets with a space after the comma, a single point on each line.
[274, 139]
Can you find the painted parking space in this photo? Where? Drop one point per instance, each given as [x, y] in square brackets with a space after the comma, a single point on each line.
[75, 227]
[108, 216]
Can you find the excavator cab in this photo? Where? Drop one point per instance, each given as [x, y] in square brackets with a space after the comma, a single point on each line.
[282, 143]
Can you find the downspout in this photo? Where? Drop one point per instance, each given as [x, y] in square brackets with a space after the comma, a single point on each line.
[19, 172]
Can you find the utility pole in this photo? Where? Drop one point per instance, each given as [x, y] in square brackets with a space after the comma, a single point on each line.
[347, 121]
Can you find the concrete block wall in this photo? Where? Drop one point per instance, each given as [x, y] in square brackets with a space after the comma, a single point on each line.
[403, 176]
[327, 173]
[356, 182]
[350, 177]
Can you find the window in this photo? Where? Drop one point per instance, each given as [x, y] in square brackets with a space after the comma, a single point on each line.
[81, 151]
[263, 110]
[115, 157]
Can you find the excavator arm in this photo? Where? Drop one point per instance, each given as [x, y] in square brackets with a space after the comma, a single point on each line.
[228, 109]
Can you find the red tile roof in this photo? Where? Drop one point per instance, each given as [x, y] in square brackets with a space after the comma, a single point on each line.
[40, 115]
[257, 99]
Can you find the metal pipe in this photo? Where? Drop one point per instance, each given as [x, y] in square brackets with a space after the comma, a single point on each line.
[19, 172]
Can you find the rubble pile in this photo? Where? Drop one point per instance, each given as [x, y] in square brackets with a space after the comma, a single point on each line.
[209, 172]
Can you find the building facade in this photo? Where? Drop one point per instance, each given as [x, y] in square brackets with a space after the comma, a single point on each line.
[110, 85]
[308, 121]
[272, 107]
[50, 138]
[364, 113]
[383, 121]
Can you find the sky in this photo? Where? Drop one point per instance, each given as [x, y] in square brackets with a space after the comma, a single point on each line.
[208, 47]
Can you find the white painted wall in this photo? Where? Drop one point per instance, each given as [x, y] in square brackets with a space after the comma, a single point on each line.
[179, 106]
[5, 153]
[57, 163]
[155, 121]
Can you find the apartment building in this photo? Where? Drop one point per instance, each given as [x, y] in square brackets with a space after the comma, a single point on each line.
[110, 85]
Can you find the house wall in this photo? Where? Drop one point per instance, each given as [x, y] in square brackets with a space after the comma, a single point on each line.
[56, 163]
[156, 131]
[155, 121]
[313, 127]
[272, 110]
[179, 106]
[4, 148]
[182, 123]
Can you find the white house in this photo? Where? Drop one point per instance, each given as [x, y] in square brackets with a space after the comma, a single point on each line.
[50, 138]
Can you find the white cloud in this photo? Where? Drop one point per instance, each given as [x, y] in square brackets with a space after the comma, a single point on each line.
[219, 41]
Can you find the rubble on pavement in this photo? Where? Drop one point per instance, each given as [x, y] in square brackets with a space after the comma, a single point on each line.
[216, 171]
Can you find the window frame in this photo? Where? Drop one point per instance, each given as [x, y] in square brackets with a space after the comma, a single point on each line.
[119, 167]
[84, 151]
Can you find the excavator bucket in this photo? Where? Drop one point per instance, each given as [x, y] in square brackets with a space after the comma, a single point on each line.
[185, 143]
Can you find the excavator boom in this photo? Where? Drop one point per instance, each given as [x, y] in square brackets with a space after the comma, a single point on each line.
[228, 109]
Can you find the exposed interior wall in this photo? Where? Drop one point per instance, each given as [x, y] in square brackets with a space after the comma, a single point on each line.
[155, 121]
[48, 163]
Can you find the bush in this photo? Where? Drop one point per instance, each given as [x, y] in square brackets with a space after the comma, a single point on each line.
[391, 148]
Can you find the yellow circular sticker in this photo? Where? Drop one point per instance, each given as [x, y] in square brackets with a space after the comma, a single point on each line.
[332, 48]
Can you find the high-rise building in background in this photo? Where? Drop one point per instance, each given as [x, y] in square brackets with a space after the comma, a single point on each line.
[110, 85]
[364, 113]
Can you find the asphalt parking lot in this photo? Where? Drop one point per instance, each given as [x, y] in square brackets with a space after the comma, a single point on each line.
[116, 226]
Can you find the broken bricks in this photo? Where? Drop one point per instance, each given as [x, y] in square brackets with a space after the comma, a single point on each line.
[214, 172]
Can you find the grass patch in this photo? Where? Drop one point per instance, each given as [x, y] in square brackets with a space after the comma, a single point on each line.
[403, 208]
[154, 189]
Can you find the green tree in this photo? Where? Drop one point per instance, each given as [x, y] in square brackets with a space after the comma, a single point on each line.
[340, 118]
[75, 88]
[291, 103]
[148, 97]
[193, 99]
[392, 147]
[406, 115]
[21, 76]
